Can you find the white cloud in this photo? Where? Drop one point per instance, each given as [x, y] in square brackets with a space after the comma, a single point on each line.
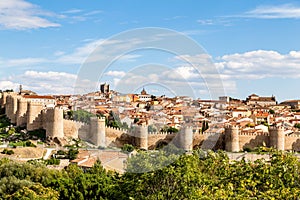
[78, 15]
[8, 85]
[42, 82]
[21, 62]
[205, 21]
[183, 72]
[72, 11]
[20, 15]
[260, 64]
[116, 73]
[274, 12]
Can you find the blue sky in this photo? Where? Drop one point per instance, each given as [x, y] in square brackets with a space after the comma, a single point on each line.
[255, 45]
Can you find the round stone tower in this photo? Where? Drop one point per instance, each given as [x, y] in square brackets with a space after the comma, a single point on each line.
[232, 138]
[8, 106]
[21, 112]
[11, 107]
[186, 138]
[14, 109]
[4, 96]
[97, 131]
[54, 122]
[141, 137]
[277, 137]
[34, 118]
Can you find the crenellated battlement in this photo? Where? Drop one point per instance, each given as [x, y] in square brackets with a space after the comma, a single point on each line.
[275, 128]
[254, 134]
[116, 129]
[161, 133]
[292, 136]
[231, 126]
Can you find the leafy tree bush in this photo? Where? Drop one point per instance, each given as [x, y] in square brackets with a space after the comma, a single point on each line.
[169, 175]
[4, 121]
[169, 129]
[271, 111]
[127, 148]
[72, 154]
[7, 151]
[52, 161]
[22, 144]
[297, 125]
[82, 116]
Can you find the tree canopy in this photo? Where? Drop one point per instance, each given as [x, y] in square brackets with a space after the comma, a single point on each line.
[172, 175]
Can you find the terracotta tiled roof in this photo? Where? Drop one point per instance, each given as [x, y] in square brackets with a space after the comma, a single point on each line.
[38, 97]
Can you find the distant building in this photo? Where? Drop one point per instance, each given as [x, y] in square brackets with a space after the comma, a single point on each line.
[25, 92]
[295, 104]
[104, 88]
[48, 101]
[225, 99]
[254, 99]
[144, 96]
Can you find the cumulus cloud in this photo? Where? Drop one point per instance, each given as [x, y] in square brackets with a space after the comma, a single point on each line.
[260, 64]
[42, 82]
[20, 15]
[116, 73]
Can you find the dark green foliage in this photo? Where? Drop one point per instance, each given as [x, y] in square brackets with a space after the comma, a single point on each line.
[297, 125]
[152, 129]
[4, 121]
[8, 152]
[38, 134]
[271, 111]
[82, 116]
[202, 175]
[169, 129]
[2, 111]
[72, 154]
[61, 152]
[204, 126]
[127, 148]
[22, 144]
[114, 121]
[136, 120]
[52, 161]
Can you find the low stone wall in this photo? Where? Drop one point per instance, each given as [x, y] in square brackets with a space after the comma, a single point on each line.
[292, 142]
[252, 141]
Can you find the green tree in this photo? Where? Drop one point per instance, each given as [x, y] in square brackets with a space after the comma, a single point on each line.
[82, 116]
[127, 148]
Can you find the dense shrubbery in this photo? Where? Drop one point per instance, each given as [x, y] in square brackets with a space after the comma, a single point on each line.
[127, 148]
[198, 176]
[7, 151]
[79, 115]
[4, 121]
[22, 144]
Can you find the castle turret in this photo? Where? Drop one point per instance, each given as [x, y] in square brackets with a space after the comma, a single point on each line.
[3, 99]
[277, 137]
[11, 107]
[141, 137]
[54, 124]
[232, 138]
[186, 138]
[34, 116]
[97, 131]
[21, 112]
